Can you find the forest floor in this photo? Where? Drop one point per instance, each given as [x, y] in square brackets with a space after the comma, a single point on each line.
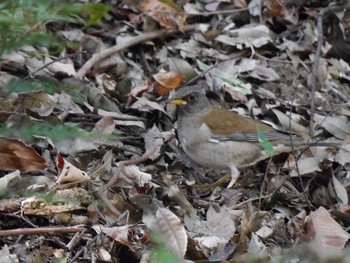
[92, 169]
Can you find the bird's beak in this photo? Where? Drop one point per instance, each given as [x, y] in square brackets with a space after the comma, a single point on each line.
[177, 102]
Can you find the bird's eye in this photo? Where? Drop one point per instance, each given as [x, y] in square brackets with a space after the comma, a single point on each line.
[191, 97]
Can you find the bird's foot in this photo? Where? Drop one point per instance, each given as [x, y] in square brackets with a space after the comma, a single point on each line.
[207, 187]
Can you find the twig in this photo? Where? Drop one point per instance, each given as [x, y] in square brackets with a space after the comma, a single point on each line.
[76, 238]
[260, 197]
[22, 217]
[220, 12]
[315, 68]
[31, 75]
[284, 61]
[41, 230]
[120, 47]
[115, 176]
[88, 245]
[264, 182]
[102, 192]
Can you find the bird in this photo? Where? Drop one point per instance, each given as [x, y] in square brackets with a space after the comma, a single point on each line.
[217, 138]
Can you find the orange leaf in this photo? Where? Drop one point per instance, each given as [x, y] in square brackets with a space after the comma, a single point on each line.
[167, 81]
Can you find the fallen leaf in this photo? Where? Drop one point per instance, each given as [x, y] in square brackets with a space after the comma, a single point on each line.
[144, 104]
[328, 236]
[169, 225]
[340, 190]
[168, 16]
[69, 173]
[164, 82]
[14, 154]
[154, 140]
[118, 233]
[256, 36]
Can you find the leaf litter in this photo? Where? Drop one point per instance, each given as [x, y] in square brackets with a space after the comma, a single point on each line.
[122, 189]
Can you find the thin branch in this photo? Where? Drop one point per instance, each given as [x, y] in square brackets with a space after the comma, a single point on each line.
[96, 58]
[220, 12]
[41, 230]
[31, 75]
[315, 68]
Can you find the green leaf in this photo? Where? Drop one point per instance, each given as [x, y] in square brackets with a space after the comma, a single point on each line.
[28, 129]
[264, 141]
[22, 22]
[50, 87]
[97, 11]
[163, 255]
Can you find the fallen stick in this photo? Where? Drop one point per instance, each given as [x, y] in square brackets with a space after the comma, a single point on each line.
[120, 47]
[41, 230]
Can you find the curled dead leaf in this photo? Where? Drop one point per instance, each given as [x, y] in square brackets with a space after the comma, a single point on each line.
[164, 82]
[69, 173]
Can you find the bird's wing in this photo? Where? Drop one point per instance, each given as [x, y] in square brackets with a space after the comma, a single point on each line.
[226, 126]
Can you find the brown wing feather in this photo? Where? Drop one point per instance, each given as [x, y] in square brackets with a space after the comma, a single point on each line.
[224, 122]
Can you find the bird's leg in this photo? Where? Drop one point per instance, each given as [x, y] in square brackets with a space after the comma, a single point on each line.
[207, 187]
[234, 176]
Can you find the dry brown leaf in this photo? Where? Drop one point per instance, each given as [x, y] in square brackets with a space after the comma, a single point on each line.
[69, 173]
[8, 180]
[163, 222]
[240, 3]
[340, 190]
[327, 234]
[234, 93]
[133, 175]
[170, 226]
[7, 256]
[14, 154]
[220, 222]
[273, 8]
[321, 75]
[342, 156]
[105, 126]
[104, 166]
[306, 166]
[208, 244]
[103, 255]
[57, 67]
[289, 124]
[181, 66]
[154, 140]
[118, 233]
[164, 82]
[144, 104]
[256, 36]
[38, 101]
[339, 126]
[168, 16]
[179, 197]
[295, 226]
[13, 58]
[256, 245]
